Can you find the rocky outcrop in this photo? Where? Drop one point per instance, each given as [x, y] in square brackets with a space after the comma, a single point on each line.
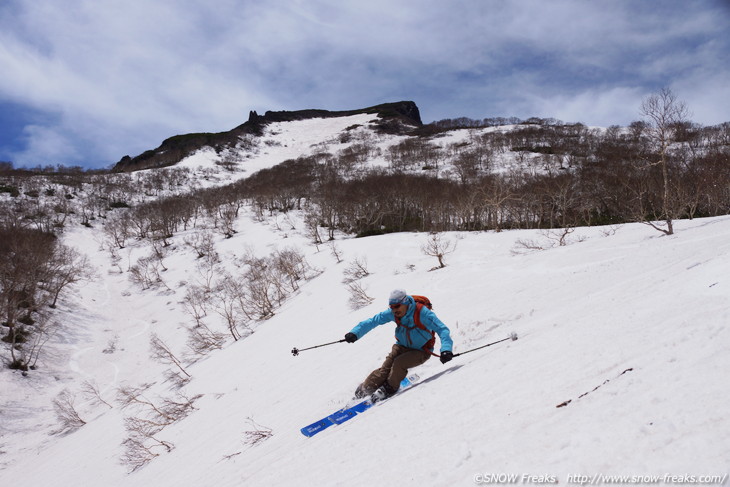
[405, 111]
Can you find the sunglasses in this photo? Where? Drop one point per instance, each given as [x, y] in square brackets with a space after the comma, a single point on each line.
[396, 306]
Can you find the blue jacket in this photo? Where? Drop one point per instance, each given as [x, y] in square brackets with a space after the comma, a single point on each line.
[411, 337]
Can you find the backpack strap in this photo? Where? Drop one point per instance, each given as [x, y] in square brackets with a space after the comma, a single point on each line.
[417, 320]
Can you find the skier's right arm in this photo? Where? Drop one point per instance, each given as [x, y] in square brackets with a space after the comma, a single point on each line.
[366, 325]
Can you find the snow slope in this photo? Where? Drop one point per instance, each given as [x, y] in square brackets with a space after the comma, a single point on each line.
[625, 329]
[282, 141]
[636, 320]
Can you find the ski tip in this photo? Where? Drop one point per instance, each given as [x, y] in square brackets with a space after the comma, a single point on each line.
[315, 428]
[513, 336]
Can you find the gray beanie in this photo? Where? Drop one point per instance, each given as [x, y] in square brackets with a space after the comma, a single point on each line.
[397, 296]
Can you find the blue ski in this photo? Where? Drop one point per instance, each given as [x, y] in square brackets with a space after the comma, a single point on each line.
[344, 414]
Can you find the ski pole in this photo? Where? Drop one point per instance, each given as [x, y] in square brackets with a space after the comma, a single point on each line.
[512, 336]
[295, 351]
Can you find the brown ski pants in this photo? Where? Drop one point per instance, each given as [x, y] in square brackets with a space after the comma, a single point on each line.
[395, 368]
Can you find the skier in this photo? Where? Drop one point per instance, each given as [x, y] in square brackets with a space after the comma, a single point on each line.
[415, 340]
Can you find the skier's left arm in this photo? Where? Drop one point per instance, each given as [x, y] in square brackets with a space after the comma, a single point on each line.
[432, 322]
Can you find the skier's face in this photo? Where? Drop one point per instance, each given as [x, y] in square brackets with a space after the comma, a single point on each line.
[399, 310]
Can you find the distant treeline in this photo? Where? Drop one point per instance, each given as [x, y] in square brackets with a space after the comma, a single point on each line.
[538, 175]
[562, 176]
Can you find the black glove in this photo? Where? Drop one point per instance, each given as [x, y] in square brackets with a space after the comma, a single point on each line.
[446, 356]
[350, 338]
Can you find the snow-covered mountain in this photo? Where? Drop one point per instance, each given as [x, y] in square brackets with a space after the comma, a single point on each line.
[623, 343]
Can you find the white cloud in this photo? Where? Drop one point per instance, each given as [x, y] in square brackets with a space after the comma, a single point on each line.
[132, 73]
[43, 145]
[596, 107]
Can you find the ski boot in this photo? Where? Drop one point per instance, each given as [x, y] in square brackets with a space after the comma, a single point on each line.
[382, 392]
[360, 392]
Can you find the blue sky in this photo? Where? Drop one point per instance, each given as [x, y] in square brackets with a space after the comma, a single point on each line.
[89, 81]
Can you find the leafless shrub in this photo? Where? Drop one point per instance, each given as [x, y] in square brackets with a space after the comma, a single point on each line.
[357, 269]
[559, 236]
[207, 268]
[111, 346]
[66, 412]
[92, 392]
[552, 238]
[202, 340]
[162, 353]
[610, 231]
[36, 334]
[118, 230]
[228, 214]
[140, 449]
[142, 443]
[438, 246]
[262, 286]
[291, 266]
[67, 267]
[289, 222]
[161, 413]
[335, 251]
[358, 296]
[256, 435]
[159, 251]
[146, 272]
[203, 242]
[312, 224]
[525, 246]
[116, 259]
[196, 302]
[232, 302]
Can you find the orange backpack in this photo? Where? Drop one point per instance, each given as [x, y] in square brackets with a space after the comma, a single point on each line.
[421, 301]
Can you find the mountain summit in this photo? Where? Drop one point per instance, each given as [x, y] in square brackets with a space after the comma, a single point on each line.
[395, 117]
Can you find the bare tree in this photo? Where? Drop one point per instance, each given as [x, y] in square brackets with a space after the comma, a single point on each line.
[207, 268]
[91, 390]
[357, 269]
[67, 267]
[202, 340]
[232, 300]
[66, 412]
[24, 264]
[358, 296]
[664, 114]
[148, 420]
[146, 272]
[162, 353]
[311, 223]
[118, 230]
[560, 235]
[292, 267]
[141, 446]
[438, 246]
[335, 250]
[42, 331]
[202, 242]
[497, 193]
[257, 434]
[196, 302]
[524, 246]
[228, 214]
